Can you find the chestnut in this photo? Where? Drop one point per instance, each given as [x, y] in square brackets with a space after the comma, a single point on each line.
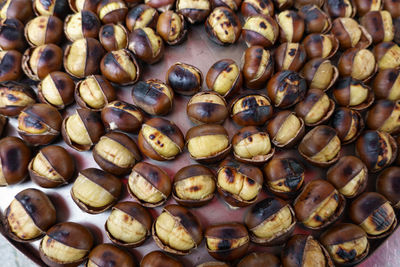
[119, 115]
[79, 5]
[149, 184]
[112, 11]
[347, 243]
[159, 259]
[251, 145]
[258, 67]
[81, 25]
[320, 45]
[160, 139]
[379, 25]
[39, 124]
[316, 108]
[208, 143]
[161, 6]
[12, 34]
[194, 11]
[39, 61]
[387, 184]
[82, 129]
[15, 97]
[57, 89]
[66, 243]
[305, 250]
[120, 67]
[177, 230]
[364, 6]
[95, 191]
[193, 186]
[29, 215]
[320, 73]
[141, 16]
[113, 37]
[3, 123]
[232, 4]
[387, 55]
[116, 153]
[207, 107]
[257, 7]
[360, 64]
[260, 30]
[133, 3]
[223, 26]
[57, 8]
[348, 124]
[350, 34]
[94, 92]
[315, 20]
[384, 116]
[283, 4]
[376, 149]
[10, 65]
[291, 26]
[271, 222]
[300, 3]
[285, 129]
[18, 9]
[239, 184]
[290, 56]
[172, 27]
[393, 7]
[153, 97]
[259, 259]
[213, 264]
[227, 241]
[224, 77]
[386, 84]
[374, 214]
[321, 146]
[104, 255]
[184, 79]
[146, 45]
[340, 8]
[353, 94]
[77, 61]
[251, 110]
[286, 88]
[129, 224]
[319, 204]
[284, 176]
[51, 167]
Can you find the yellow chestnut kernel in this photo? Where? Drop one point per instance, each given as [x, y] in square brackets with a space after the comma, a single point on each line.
[253, 146]
[50, 92]
[42, 167]
[327, 46]
[241, 185]
[329, 151]
[354, 184]
[393, 95]
[358, 94]
[4, 9]
[353, 29]
[288, 129]
[29, 128]
[221, 26]
[126, 63]
[77, 131]
[393, 121]
[213, 243]
[120, 36]
[200, 5]
[155, 40]
[325, 210]
[275, 225]
[207, 98]
[358, 246]
[3, 181]
[286, 23]
[314, 255]
[36, 30]
[387, 26]
[319, 110]
[253, 24]
[60, 252]
[124, 227]
[77, 58]
[23, 99]
[176, 27]
[146, 16]
[391, 59]
[21, 224]
[226, 79]
[144, 190]
[161, 143]
[323, 76]
[289, 56]
[205, 186]
[91, 193]
[73, 27]
[352, 131]
[369, 224]
[207, 145]
[114, 152]
[363, 65]
[110, 7]
[91, 93]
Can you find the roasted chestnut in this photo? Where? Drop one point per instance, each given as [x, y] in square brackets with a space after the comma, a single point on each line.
[29, 215]
[153, 97]
[44, 30]
[149, 184]
[208, 143]
[120, 67]
[223, 26]
[226, 242]
[177, 230]
[194, 11]
[239, 184]
[321, 146]
[66, 243]
[285, 129]
[82, 129]
[260, 30]
[300, 3]
[12, 34]
[315, 20]
[256, 7]
[284, 176]
[82, 24]
[39, 61]
[320, 73]
[353, 94]
[79, 5]
[51, 167]
[57, 89]
[385, 116]
[224, 77]
[15, 97]
[146, 45]
[232, 4]
[57, 8]
[113, 37]
[95, 191]
[184, 79]
[286, 88]
[376, 149]
[291, 26]
[393, 7]
[364, 6]
[316, 108]
[161, 6]
[305, 250]
[379, 25]
[159, 259]
[194, 186]
[386, 84]
[129, 224]
[283, 4]
[258, 67]
[360, 64]
[141, 16]
[10, 65]
[207, 107]
[251, 110]
[94, 92]
[340, 8]
[350, 34]
[213, 264]
[105, 255]
[387, 184]
[346, 243]
[119, 115]
[39, 124]
[387, 55]
[18, 9]
[348, 124]
[319, 204]
[320, 45]
[82, 57]
[172, 27]
[374, 214]
[112, 11]
[290, 56]
[259, 259]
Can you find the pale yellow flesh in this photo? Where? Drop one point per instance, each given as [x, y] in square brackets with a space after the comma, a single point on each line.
[213, 243]
[59, 252]
[327, 46]
[125, 228]
[286, 23]
[387, 26]
[144, 190]
[226, 80]
[35, 58]
[389, 152]
[120, 36]
[79, 4]
[73, 28]
[126, 63]
[161, 143]
[3, 181]
[155, 40]
[238, 185]
[329, 151]
[274, 226]
[318, 110]
[207, 98]
[196, 5]
[369, 225]
[393, 122]
[29, 129]
[110, 7]
[258, 147]
[50, 91]
[20, 223]
[114, 152]
[352, 131]
[354, 184]
[90, 193]
[222, 28]
[239, 107]
[90, 263]
[207, 145]
[313, 255]
[4, 9]
[23, 99]
[358, 94]
[393, 95]
[288, 129]
[91, 93]
[76, 130]
[363, 64]
[253, 24]
[324, 211]
[42, 166]
[289, 56]
[391, 59]
[176, 24]
[265, 59]
[77, 58]
[323, 76]
[353, 29]
[358, 246]
[185, 189]
[144, 19]
[36, 30]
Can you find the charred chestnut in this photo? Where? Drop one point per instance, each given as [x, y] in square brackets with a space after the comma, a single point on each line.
[353, 94]
[194, 11]
[161, 6]
[258, 67]
[320, 73]
[141, 16]
[232, 4]
[113, 37]
[350, 34]
[386, 84]
[120, 67]
[320, 45]
[224, 77]
[340, 8]
[384, 116]
[387, 55]
[10, 65]
[315, 20]
[79, 5]
[15, 97]
[223, 26]
[159, 259]
[379, 25]
[57, 8]
[285, 129]
[112, 11]
[119, 115]
[283, 4]
[291, 26]
[387, 184]
[364, 6]
[81, 25]
[146, 45]
[260, 30]
[114, 255]
[259, 259]
[12, 34]
[251, 110]
[360, 64]
[172, 27]
[290, 56]
[207, 107]
[44, 30]
[257, 7]
[18, 9]
[184, 79]
[348, 124]
[57, 89]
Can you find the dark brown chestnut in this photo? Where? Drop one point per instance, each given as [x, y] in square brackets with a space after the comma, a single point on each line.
[119, 115]
[340, 8]
[159, 259]
[251, 110]
[364, 6]
[348, 124]
[223, 26]
[291, 26]
[283, 4]
[59, 8]
[57, 89]
[81, 25]
[112, 11]
[12, 34]
[141, 16]
[353, 94]
[194, 11]
[290, 56]
[120, 67]
[257, 7]
[224, 77]
[260, 30]
[232, 4]
[207, 107]
[213, 264]
[79, 5]
[379, 25]
[146, 45]
[10, 65]
[360, 64]
[18, 9]
[184, 79]
[3, 123]
[300, 3]
[44, 30]
[104, 255]
[113, 37]
[15, 97]
[320, 73]
[387, 184]
[384, 116]
[161, 5]
[258, 67]
[350, 34]
[386, 84]
[387, 55]
[393, 7]
[172, 27]
[315, 20]
[255, 259]
[320, 45]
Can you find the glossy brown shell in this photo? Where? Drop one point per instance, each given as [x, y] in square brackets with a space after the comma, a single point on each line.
[374, 25]
[252, 37]
[299, 57]
[20, 9]
[207, 112]
[65, 87]
[193, 14]
[57, 8]
[107, 254]
[53, 30]
[14, 88]
[108, 37]
[346, 60]
[363, 7]
[159, 259]
[313, 44]
[310, 70]
[116, 15]
[182, 80]
[90, 24]
[297, 26]
[11, 66]
[343, 36]
[88, 5]
[114, 72]
[252, 60]
[141, 45]
[256, 259]
[254, 113]
[248, 8]
[382, 49]
[342, 121]
[384, 82]
[135, 15]
[393, 7]
[388, 184]
[116, 116]
[380, 112]
[164, 27]
[315, 20]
